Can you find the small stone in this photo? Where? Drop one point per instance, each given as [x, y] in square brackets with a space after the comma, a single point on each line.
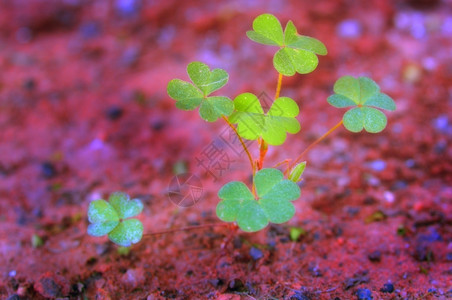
[114, 113]
[364, 294]
[358, 278]
[349, 29]
[158, 125]
[389, 196]
[423, 253]
[387, 288]
[374, 256]
[237, 243]
[449, 256]
[377, 165]
[48, 170]
[127, 8]
[236, 285]
[315, 271]
[215, 282]
[256, 253]
[29, 84]
[52, 286]
[441, 123]
[89, 30]
[134, 278]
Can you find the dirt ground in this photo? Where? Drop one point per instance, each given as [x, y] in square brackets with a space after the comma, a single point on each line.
[84, 112]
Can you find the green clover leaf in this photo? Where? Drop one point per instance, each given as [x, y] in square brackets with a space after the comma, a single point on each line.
[297, 53]
[253, 123]
[273, 204]
[189, 96]
[107, 218]
[363, 94]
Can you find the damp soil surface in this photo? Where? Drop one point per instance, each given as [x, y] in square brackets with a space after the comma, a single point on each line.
[84, 112]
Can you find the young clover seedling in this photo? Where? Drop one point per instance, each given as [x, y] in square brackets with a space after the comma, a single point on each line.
[112, 218]
[297, 53]
[364, 95]
[189, 96]
[253, 123]
[273, 204]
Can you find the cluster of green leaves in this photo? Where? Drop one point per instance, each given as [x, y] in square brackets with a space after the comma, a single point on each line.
[273, 203]
[296, 54]
[191, 95]
[272, 126]
[364, 96]
[271, 198]
[112, 218]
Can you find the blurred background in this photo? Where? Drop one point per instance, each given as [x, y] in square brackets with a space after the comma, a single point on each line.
[84, 109]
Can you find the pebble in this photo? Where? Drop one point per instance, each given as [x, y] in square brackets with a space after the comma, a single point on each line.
[158, 125]
[410, 163]
[127, 7]
[215, 282]
[374, 256]
[236, 285]
[389, 197]
[256, 253]
[378, 165]
[48, 170]
[449, 256]
[364, 294]
[299, 296]
[433, 236]
[349, 29]
[387, 288]
[130, 57]
[423, 253]
[114, 113]
[89, 30]
[441, 123]
[52, 286]
[29, 84]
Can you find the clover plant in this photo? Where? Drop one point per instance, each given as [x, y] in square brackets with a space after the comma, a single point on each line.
[269, 198]
[112, 218]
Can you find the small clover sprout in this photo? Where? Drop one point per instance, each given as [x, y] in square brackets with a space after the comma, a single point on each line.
[273, 204]
[253, 123]
[364, 95]
[112, 218]
[189, 96]
[297, 53]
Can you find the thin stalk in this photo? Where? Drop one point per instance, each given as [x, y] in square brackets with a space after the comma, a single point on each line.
[313, 144]
[187, 228]
[243, 144]
[263, 145]
[278, 87]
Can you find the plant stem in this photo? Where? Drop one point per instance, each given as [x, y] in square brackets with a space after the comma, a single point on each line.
[243, 144]
[262, 151]
[312, 145]
[263, 145]
[187, 228]
[278, 87]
